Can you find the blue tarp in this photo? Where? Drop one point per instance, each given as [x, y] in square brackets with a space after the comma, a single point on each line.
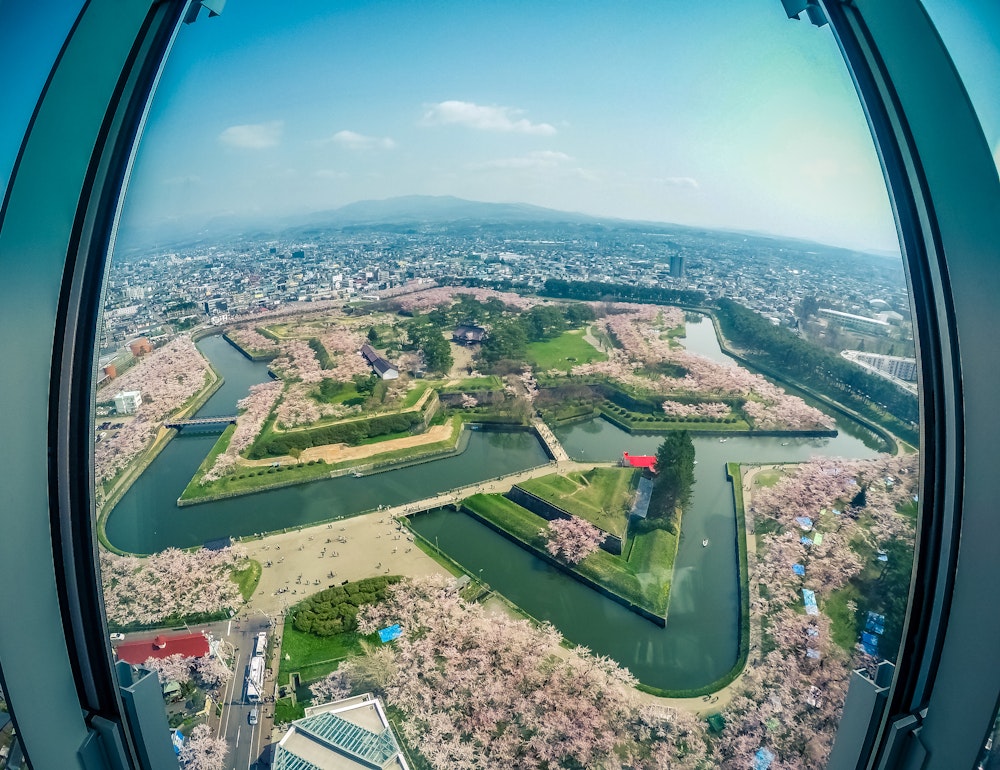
[813, 632]
[798, 569]
[812, 653]
[809, 599]
[837, 511]
[804, 522]
[763, 758]
[875, 623]
[390, 633]
[177, 739]
[870, 643]
[805, 540]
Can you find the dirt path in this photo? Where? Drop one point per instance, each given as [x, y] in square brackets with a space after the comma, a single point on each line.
[461, 355]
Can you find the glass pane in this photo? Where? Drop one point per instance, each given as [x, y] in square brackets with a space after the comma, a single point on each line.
[562, 401]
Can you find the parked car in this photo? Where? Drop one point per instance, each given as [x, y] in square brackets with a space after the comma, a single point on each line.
[117, 637]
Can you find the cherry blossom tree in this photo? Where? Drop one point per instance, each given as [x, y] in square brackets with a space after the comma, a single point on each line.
[203, 751]
[483, 690]
[167, 378]
[572, 539]
[169, 584]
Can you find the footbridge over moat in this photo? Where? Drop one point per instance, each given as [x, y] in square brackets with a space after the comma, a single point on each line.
[224, 420]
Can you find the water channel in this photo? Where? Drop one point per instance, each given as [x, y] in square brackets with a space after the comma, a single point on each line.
[700, 642]
[147, 518]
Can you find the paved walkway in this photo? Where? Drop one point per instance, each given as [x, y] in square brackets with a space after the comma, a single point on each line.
[548, 437]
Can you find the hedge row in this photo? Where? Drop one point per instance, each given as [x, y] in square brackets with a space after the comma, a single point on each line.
[335, 610]
[352, 433]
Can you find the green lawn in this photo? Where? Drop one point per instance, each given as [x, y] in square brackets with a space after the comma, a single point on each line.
[247, 579]
[472, 384]
[767, 478]
[313, 657]
[602, 496]
[644, 579]
[564, 352]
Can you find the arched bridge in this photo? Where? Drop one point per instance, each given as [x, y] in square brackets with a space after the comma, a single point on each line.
[200, 421]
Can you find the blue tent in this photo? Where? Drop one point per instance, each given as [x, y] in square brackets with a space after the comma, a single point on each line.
[870, 643]
[804, 522]
[875, 623]
[805, 540]
[763, 758]
[798, 569]
[390, 633]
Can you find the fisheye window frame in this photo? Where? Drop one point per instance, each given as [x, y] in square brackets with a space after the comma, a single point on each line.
[946, 198]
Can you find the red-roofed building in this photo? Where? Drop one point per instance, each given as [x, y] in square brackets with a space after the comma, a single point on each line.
[162, 646]
[639, 461]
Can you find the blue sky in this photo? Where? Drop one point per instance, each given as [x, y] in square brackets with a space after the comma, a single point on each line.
[719, 114]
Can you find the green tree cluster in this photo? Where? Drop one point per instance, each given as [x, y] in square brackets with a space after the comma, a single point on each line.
[430, 341]
[822, 370]
[335, 610]
[618, 292]
[674, 477]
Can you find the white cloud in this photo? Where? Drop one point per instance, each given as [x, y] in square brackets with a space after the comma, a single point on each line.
[483, 118]
[355, 141]
[532, 160]
[679, 181]
[253, 136]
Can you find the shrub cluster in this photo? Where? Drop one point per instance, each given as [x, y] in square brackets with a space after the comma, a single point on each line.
[335, 610]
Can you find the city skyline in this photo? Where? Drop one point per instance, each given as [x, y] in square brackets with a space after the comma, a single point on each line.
[738, 120]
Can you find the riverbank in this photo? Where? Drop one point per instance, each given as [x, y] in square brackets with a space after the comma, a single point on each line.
[124, 481]
[893, 444]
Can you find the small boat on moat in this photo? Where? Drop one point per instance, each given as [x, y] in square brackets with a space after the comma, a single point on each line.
[704, 543]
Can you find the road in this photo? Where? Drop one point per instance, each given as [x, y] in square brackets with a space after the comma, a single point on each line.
[249, 745]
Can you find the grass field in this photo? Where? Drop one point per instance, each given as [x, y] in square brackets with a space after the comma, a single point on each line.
[602, 496]
[564, 352]
[643, 579]
[472, 384]
[247, 579]
[313, 657]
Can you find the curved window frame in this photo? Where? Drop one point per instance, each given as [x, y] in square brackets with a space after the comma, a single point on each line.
[57, 225]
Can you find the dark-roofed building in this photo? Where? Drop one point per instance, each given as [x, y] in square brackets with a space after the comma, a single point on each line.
[378, 363]
[348, 734]
[468, 334]
[163, 646]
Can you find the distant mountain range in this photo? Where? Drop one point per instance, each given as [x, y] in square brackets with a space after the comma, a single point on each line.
[409, 210]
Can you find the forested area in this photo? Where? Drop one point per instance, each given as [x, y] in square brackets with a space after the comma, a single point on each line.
[778, 349]
[596, 291]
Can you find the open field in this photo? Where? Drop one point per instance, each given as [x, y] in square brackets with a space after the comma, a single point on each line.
[602, 496]
[564, 352]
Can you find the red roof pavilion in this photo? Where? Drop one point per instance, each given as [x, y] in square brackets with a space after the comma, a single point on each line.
[639, 461]
[189, 645]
